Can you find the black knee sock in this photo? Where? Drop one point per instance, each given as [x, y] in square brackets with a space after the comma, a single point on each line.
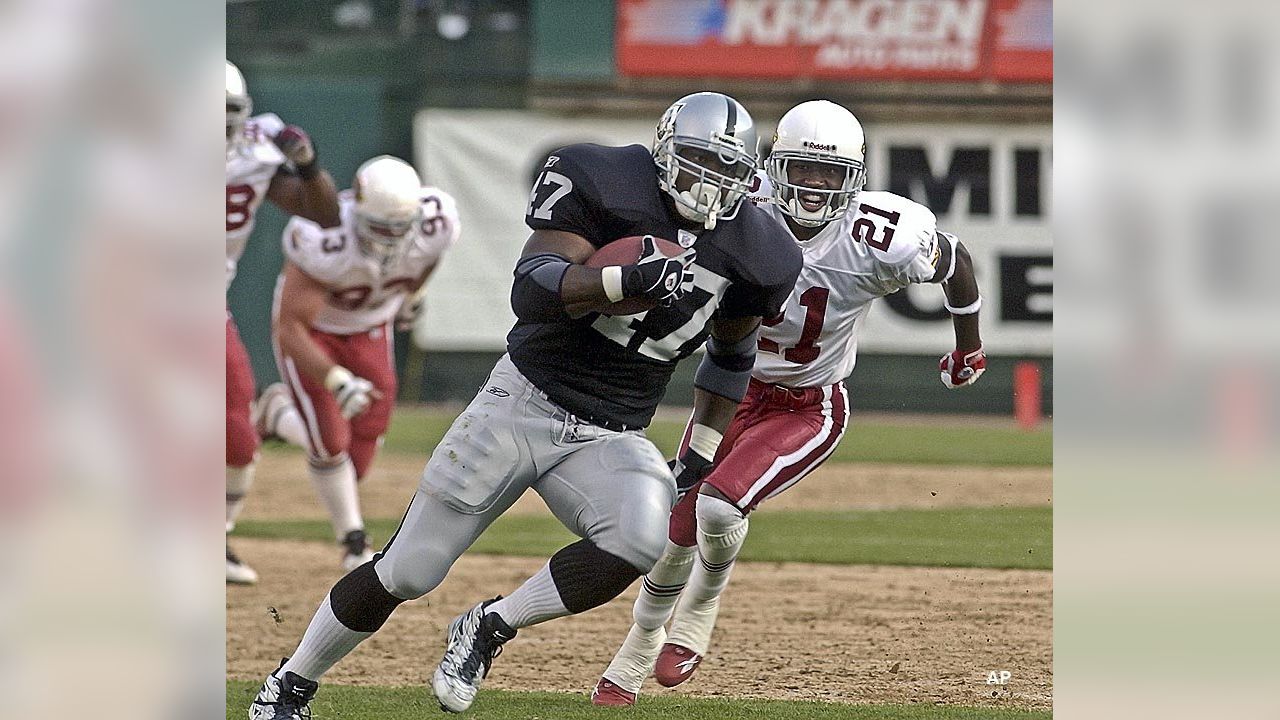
[588, 577]
[360, 602]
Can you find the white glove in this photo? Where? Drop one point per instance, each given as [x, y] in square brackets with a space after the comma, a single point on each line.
[354, 394]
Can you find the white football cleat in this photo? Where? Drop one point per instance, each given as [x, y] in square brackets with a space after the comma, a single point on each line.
[284, 696]
[475, 639]
[238, 573]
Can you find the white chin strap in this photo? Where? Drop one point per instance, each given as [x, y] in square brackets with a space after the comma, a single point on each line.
[700, 195]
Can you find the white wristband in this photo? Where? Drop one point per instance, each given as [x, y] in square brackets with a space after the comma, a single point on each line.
[611, 278]
[337, 377]
[704, 441]
[969, 309]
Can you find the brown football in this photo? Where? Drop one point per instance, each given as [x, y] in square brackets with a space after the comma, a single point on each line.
[626, 251]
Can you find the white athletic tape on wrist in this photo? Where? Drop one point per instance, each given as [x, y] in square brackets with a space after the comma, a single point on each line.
[611, 278]
[337, 377]
[704, 441]
[969, 309]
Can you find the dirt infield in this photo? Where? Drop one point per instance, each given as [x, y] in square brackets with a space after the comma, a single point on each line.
[283, 490]
[787, 630]
[839, 635]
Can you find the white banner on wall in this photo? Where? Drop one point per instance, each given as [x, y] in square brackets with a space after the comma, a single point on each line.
[988, 184]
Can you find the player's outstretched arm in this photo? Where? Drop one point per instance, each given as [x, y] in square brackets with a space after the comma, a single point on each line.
[719, 385]
[967, 362]
[308, 191]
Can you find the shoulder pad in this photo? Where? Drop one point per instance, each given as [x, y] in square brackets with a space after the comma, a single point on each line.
[761, 189]
[322, 253]
[437, 203]
[774, 258]
[600, 163]
[914, 227]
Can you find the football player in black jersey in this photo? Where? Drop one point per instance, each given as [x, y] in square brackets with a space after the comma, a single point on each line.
[564, 411]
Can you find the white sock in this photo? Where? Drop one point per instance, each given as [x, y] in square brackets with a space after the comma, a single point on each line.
[634, 661]
[290, 427]
[721, 532]
[326, 642]
[537, 600]
[336, 486]
[659, 590]
[661, 587]
[239, 480]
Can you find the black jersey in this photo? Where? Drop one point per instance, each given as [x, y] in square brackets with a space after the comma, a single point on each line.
[614, 370]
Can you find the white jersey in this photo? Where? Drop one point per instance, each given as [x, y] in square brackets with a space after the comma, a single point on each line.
[364, 292]
[250, 167]
[884, 243]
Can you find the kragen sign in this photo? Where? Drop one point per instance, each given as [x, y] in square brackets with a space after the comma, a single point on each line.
[838, 39]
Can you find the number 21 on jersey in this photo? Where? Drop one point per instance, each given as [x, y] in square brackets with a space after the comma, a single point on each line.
[806, 349]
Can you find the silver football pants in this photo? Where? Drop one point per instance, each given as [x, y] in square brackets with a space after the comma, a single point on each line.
[612, 488]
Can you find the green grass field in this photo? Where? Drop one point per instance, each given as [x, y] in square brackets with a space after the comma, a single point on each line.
[337, 702]
[417, 430]
[961, 537]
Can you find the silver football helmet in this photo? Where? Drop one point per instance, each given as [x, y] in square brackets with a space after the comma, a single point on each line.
[825, 136]
[239, 106]
[706, 150]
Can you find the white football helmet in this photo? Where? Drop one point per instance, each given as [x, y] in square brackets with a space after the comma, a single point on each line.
[718, 124]
[388, 194]
[817, 131]
[239, 105]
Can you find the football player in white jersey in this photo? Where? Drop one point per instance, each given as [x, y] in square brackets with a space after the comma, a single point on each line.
[265, 159]
[340, 292]
[858, 246]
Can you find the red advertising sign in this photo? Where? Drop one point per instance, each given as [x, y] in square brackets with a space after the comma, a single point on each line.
[1022, 40]
[837, 39]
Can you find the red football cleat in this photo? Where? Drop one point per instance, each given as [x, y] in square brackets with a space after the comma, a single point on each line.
[676, 664]
[606, 694]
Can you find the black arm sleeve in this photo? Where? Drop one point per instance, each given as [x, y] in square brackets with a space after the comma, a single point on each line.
[535, 294]
[726, 368]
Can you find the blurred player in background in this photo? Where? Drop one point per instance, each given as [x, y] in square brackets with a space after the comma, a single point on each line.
[339, 294]
[265, 159]
[563, 412]
[858, 246]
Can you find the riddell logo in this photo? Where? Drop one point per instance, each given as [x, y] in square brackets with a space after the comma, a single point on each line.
[819, 146]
